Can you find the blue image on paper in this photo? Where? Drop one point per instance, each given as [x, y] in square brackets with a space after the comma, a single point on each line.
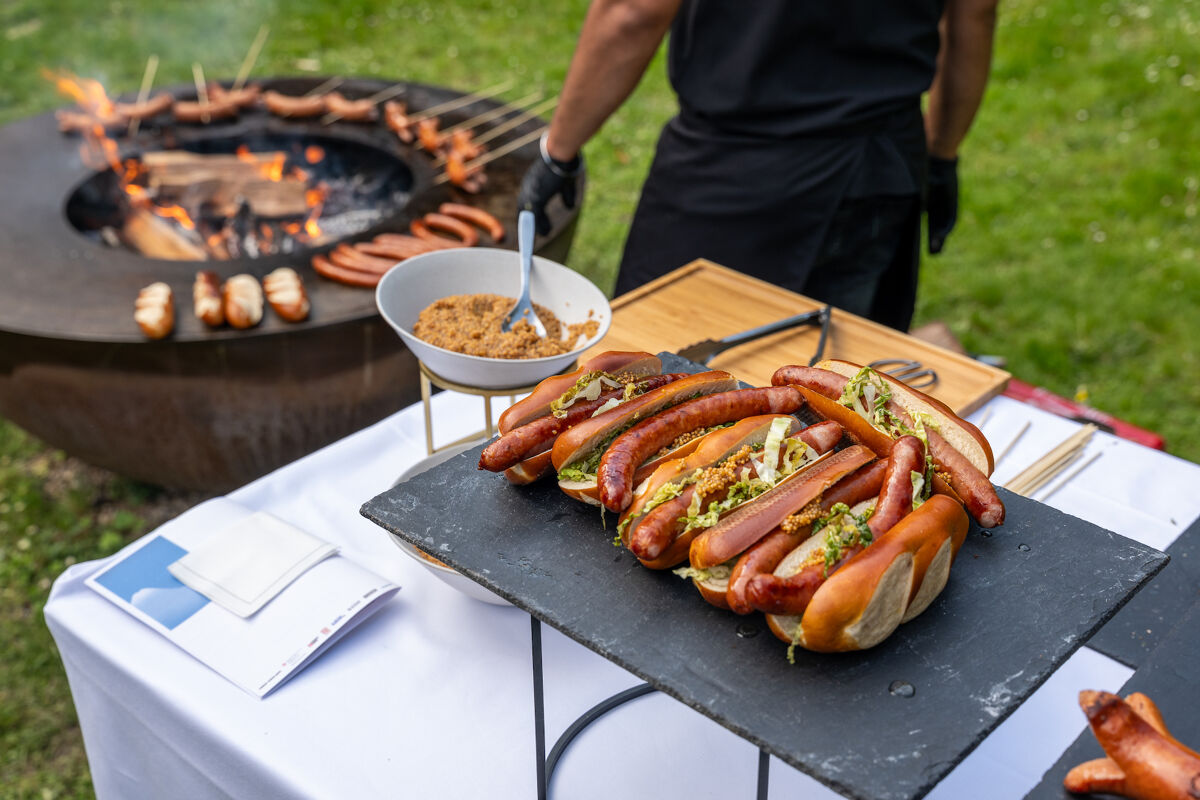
[142, 581]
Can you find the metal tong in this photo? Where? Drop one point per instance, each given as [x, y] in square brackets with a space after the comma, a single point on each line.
[911, 372]
[704, 352]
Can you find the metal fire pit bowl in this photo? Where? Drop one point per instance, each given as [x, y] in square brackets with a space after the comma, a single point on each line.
[204, 409]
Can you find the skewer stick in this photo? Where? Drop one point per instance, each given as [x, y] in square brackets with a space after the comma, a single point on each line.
[1009, 446]
[528, 114]
[1071, 475]
[144, 91]
[984, 418]
[495, 113]
[1052, 463]
[507, 126]
[251, 56]
[459, 102]
[201, 89]
[494, 154]
[326, 86]
[378, 97]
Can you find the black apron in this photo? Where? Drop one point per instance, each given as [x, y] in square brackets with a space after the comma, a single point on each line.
[798, 155]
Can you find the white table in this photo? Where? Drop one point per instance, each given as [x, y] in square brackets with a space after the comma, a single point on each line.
[432, 697]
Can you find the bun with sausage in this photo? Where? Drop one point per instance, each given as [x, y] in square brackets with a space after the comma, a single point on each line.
[876, 409]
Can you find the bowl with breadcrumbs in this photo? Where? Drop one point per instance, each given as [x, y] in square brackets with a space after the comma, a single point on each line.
[448, 307]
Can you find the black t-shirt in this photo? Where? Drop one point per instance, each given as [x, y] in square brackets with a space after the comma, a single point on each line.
[786, 68]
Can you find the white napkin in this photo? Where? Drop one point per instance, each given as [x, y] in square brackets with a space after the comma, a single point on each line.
[249, 562]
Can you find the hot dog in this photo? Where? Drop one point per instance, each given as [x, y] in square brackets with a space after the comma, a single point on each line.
[529, 427]
[577, 453]
[453, 226]
[421, 229]
[471, 179]
[858, 601]
[475, 216]
[242, 98]
[286, 106]
[352, 258]
[791, 594]
[352, 110]
[150, 108]
[730, 467]
[351, 277]
[875, 409]
[428, 135]
[764, 557]
[396, 246]
[192, 111]
[1144, 761]
[615, 474]
[396, 118]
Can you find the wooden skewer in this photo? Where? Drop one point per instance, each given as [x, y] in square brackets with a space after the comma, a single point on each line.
[507, 126]
[326, 86]
[1052, 463]
[495, 113]
[984, 418]
[494, 154]
[1009, 447]
[201, 89]
[378, 97]
[251, 56]
[459, 102]
[1071, 475]
[144, 91]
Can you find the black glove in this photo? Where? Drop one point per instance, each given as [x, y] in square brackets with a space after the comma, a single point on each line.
[941, 201]
[545, 178]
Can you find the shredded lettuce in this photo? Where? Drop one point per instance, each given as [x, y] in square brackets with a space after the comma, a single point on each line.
[768, 467]
[588, 387]
[843, 530]
[577, 472]
[918, 487]
[721, 572]
[668, 491]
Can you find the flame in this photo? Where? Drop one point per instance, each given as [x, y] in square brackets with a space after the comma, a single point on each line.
[87, 92]
[176, 213]
[243, 154]
[314, 154]
[315, 199]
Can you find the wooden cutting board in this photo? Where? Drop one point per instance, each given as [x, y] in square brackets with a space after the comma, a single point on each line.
[703, 300]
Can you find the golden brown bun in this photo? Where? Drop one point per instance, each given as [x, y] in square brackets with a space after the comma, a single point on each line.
[739, 530]
[286, 293]
[154, 310]
[705, 451]
[863, 602]
[531, 469]
[714, 590]
[537, 403]
[574, 444]
[962, 435]
[242, 296]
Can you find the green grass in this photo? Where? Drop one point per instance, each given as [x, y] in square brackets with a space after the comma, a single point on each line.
[1076, 255]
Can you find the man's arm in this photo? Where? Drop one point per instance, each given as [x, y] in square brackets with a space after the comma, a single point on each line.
[964, 59]
[618, 39]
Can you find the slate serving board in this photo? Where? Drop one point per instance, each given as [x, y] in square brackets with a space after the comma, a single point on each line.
[1138, 628]
[1169, 677]
[1020, 600]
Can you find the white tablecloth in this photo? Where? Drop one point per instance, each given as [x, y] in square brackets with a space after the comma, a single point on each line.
[432, 697]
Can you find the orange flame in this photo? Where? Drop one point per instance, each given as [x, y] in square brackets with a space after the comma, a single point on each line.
[313, 154]
[176, 213]
[315, 199]
[87, 92]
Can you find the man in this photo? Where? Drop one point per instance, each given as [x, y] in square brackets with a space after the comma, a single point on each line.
[799, 154]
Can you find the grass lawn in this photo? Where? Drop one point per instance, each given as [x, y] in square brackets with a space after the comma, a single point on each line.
[1076, 256]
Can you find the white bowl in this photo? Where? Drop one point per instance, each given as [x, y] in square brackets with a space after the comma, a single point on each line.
[450, 577]
[417, 282]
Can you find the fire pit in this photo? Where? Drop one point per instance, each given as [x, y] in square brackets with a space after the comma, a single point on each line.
[208, 408]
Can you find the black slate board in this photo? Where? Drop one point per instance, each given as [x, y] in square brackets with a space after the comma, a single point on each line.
[1148, 618]
[1019, 602]
[1169, 677]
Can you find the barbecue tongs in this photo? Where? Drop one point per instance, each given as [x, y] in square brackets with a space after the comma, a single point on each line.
[703, 352]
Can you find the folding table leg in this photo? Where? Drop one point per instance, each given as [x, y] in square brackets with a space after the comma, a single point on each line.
[539, 706]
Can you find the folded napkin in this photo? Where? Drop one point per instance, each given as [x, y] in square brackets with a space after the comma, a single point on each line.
[244, 566]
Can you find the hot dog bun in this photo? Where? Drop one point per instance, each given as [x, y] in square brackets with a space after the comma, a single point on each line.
[889, 582]
[961, 434]
[537, 403]
[580, 443]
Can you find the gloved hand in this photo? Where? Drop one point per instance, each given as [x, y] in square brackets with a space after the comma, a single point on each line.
[545, 178]
[941, 201]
